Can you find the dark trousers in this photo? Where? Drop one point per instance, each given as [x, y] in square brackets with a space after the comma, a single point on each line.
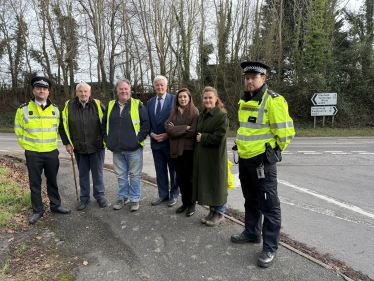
[93, 162]
[162, 160]
[261, 198]
[183, 166]
[37, 162]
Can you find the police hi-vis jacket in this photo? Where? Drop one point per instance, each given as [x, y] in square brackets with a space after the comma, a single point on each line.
[35, 128]
[264, 118]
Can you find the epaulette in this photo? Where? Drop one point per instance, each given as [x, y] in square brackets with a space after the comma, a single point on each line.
[24, 104]
[54, 104]
[273, 94]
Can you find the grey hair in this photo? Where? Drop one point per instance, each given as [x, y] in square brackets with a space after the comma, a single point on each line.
[160, 77]
[121, 81]
[81, 83]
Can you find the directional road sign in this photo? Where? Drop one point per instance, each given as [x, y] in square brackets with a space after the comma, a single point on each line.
[323, 110]
[325, 99]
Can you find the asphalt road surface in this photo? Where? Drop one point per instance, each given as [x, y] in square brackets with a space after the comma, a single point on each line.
[326, 190]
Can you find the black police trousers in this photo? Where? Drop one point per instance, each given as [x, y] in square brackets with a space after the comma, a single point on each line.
[37, 162]
[261, 198]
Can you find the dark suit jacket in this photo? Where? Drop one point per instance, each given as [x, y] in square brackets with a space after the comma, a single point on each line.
[158, 127]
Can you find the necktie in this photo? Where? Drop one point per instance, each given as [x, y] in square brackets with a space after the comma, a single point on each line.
[158, 109]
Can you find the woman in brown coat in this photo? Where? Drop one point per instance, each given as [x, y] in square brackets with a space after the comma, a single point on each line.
[181, 129]
[210, 159]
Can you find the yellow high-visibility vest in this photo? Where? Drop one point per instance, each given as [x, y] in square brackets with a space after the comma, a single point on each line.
[35, 128]
[268, 121]
[65, 119]
[134, 113]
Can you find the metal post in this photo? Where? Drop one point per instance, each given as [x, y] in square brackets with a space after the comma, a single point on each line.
[332, 120]
[314, 122]
[323, 122]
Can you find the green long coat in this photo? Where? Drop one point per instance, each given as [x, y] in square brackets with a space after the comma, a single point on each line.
[210, 159]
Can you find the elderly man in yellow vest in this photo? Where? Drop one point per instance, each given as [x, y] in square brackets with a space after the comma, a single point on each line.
[265, 130]
[36, 126]
[80, 132]
[125, 127]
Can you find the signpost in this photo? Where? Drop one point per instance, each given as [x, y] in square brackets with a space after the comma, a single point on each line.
[326, 100]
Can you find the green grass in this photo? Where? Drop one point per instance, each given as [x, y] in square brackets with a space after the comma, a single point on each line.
[334, 132]
[22, 249]
[327, 132]
[6, 265]
[12, 200]
[6, 130]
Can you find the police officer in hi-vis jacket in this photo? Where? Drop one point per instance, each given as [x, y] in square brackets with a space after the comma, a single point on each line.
[265, 131]
[36, 126]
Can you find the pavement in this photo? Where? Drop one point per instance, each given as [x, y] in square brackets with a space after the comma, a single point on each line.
[155, 243]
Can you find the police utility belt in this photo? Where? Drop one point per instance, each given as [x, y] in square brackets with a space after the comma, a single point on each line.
[272, 156]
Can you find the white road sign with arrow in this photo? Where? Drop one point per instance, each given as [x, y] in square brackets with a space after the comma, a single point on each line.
[323, 110]
[325, 99]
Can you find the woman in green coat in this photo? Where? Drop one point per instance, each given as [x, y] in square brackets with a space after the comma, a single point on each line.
[210, 158]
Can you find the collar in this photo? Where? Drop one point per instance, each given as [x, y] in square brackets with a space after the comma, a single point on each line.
[163, 97]
[213, 111]
[126, 103]
[257, 95]
[79, 103]
[47, 103]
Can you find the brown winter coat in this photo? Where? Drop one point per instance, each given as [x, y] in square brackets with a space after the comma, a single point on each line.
[210, 159]
[179, 137]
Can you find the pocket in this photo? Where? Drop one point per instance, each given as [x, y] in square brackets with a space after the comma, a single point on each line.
[268, 188]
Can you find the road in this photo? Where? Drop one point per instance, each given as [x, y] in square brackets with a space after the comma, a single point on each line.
[326, 191]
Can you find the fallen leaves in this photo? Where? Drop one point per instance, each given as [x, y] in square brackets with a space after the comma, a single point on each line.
[11, 239]
[124, 226]
[85, 262]
[38, 237]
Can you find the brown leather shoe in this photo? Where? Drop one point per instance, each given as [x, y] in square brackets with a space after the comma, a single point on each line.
[208, 217]
[215, 220]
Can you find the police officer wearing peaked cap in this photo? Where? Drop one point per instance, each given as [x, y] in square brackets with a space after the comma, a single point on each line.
[265, 127]
[36, 125]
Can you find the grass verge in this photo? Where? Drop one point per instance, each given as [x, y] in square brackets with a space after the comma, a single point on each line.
[15, 198]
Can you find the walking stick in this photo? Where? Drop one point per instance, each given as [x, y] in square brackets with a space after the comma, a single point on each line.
[75, 179]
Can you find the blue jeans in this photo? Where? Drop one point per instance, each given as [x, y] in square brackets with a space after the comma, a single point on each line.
[95, 163]
[128, 166]
[219, 209]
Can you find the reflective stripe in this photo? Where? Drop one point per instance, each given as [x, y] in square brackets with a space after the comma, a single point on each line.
[136, 121]
[42, 117]
[252, 109]
[19, 136]
[255, 137]
[250, 125]
[101, 120]
[26, 114]
[57, 112]
[283, 125]
[41, 130]
[36, 130]
[286, 138]
[39, 140]
[260, 117]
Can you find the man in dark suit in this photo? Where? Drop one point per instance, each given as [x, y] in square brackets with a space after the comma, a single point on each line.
[159, 109]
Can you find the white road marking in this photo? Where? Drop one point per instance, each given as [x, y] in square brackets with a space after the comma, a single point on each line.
[333, 151]
[357, 151]
[341, 153]
[287, 153]
[366, 153]
[312, 153]
[306, 151]
[331, 200]
[321, 210]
